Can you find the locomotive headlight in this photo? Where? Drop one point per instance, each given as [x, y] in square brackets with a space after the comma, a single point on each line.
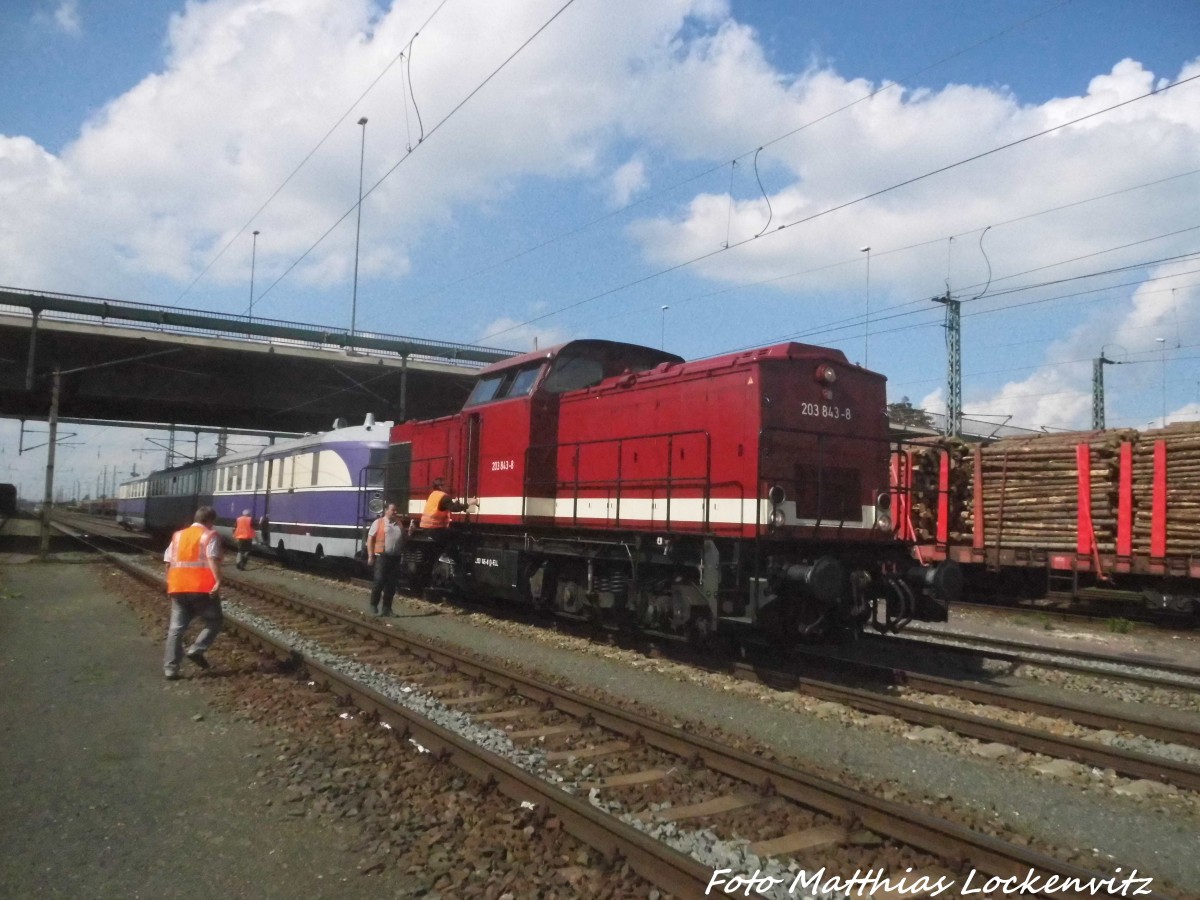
[825, 374]
[776, 494]
[778, 517]
[883, 518]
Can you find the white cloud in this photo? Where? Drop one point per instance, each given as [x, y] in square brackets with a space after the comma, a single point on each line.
[64, 18]
[627, 182]
[609, 100]
[513, 334]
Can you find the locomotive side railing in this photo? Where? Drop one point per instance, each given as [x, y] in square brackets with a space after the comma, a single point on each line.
[620, 486]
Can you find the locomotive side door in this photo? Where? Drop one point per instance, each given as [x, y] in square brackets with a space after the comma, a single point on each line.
[471, 436]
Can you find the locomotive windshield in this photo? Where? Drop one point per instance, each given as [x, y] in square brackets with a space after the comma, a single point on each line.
[580, 364]
[587, 363]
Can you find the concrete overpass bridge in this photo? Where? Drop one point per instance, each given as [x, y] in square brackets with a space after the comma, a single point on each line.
[161, 366]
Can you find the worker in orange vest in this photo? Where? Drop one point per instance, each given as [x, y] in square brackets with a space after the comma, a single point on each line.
[243, 533]
[435, 528]
[193, 572]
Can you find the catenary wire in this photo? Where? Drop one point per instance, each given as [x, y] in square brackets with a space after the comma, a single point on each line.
[586, 226]
[836, 208]
[428, 135]
[399, 56]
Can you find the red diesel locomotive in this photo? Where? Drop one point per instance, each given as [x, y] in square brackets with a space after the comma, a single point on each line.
[621, 484]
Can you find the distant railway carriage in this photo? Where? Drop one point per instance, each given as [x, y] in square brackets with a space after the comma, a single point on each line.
[164, 501]
[131, 504]
[618, 482]
[8, 500]
[311, 495]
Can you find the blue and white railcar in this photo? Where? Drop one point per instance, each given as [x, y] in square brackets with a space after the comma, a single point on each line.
[131, 504]
[313, 495]
[164, 501]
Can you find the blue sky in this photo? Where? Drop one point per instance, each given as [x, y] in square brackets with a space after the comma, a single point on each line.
[591, 180]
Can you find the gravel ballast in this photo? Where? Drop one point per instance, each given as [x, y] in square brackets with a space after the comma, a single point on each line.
[1064, 806]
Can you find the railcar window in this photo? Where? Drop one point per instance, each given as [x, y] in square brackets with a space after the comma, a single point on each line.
[316, 466]
[376, 461]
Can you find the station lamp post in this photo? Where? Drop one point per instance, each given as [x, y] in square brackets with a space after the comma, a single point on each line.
[253, 257]
[867, 317]
[358, 228]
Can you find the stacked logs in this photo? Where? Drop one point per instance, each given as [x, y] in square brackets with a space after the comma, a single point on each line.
[1183, 487]
[926, 456]
[1030, 489]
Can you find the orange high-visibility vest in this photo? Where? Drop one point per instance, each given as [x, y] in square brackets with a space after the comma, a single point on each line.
[189, 572]
[245, 529]
[433, 517]
[379, 539]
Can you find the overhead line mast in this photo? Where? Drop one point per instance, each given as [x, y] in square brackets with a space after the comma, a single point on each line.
[953, 426]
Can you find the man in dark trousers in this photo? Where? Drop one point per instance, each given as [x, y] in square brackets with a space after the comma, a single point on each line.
[385, 544]
[243, 533]
[193, 572]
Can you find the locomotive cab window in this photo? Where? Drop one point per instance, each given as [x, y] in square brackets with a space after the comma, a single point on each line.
[523, 382]
[504, 385]
[572, 373]
[486, 389]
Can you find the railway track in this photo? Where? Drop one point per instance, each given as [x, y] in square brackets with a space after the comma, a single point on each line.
[585, 749]
[985, 720]
[981, 724]
[1152, 673]
[1064, 608]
